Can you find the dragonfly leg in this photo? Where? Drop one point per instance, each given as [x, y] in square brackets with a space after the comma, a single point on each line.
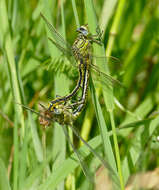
[97, 38]
[78, 110]
[77, 103]
[97, 41]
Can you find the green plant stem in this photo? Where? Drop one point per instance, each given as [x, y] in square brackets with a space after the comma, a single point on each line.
[117, 153]
[44, 149]
[16, 157]
[113, 32]
[75, 13]
[114, 28]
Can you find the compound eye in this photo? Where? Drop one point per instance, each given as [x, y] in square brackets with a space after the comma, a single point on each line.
[83, 30]
[53, 108]
[57, 111]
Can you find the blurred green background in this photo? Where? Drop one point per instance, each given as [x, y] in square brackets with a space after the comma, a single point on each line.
[130, 34]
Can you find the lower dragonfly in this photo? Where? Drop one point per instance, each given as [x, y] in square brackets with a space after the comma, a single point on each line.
[66, 117]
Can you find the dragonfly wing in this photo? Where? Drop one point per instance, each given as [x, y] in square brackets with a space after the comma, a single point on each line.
[62, 49]
[106, 58]
[104, 78]
[106, 164]
[30, 109]
[113, 62]
[84, 167]
[69, 63]
[55, 34]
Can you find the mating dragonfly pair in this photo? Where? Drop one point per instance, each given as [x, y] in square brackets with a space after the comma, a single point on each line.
[61, 109]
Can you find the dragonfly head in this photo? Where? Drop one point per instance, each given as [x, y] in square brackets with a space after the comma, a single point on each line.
[83, 30]
[53, 113]
[56, 113]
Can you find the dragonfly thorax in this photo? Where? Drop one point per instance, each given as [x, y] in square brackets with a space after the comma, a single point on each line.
[82, 46]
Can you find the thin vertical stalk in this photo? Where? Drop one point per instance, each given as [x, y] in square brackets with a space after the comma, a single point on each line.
[117, 153]
[113, 32]
[75, 13]
[114, 28]
[44, 151]
[16, 157]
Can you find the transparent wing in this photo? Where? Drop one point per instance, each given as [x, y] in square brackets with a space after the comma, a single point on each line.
[110, 59]
[84, 167]
[105, 164]
[32, 110]
[56, 35]
[62, 49]
[103, 77]
[40, 114]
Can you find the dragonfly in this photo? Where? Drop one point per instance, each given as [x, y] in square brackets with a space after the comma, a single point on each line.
[65, 117]
[80, 52]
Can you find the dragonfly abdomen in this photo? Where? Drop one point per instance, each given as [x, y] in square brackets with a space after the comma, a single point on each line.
[81, 103]
[64, 99]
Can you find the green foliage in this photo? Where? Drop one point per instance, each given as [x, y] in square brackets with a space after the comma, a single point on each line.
[32, 70]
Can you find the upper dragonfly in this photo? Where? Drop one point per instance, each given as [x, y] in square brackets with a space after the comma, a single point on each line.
[80, 52]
